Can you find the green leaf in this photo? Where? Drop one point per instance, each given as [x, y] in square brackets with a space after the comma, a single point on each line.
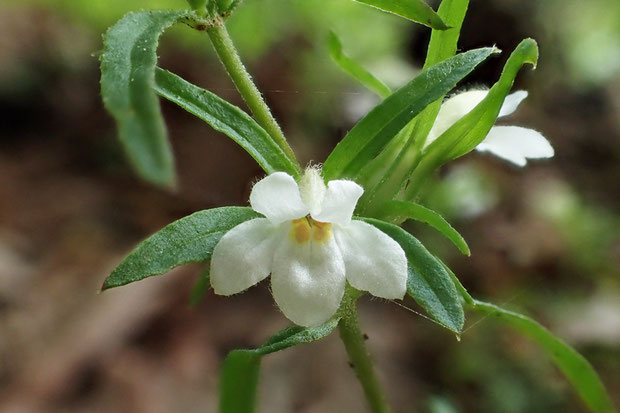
[239, 374]
[400, 210]
[471, 129]
[127, 77]
[414, 10]
[429, 283]
[190, 239]
[200, 287]
[370, 135]
[443, 45]
[238, 382]
[574, 366]
[354, 69]
[225, 118]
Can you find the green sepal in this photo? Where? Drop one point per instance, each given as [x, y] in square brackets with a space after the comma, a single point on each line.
[399, 211]
[189, 239]
[375, 130]
[226, 118]
[414, 10]
[127, 77]
[575, 367]
[428, 281]
[239, 373]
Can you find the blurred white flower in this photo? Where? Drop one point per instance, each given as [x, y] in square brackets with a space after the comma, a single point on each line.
[512, 143]
[311, 246]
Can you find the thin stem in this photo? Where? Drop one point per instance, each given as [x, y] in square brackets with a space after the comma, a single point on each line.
[353, 340]
[243, 81]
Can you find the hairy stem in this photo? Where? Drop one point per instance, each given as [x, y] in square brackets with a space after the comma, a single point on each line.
[229, 57]
[353, 340]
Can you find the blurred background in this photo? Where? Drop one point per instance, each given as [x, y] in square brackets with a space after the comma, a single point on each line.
[545, 239]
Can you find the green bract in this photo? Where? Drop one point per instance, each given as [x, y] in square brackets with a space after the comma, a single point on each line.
[372, 133]
[399, 211]
[190, 239]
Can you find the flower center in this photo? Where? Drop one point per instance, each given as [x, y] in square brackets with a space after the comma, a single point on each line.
[306, 229]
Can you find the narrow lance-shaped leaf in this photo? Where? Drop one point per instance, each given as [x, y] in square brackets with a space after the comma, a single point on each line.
[399, 211]
[429, 283]
[189, 239]
[239, 374]
[370, 135]
[354, 69]
[226, 118]
[443, 45]
[574, 366]
[127, 77]
[471, 129]
[414, 10]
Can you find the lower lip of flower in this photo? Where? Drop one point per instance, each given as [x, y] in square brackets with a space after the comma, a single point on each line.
[306, 229]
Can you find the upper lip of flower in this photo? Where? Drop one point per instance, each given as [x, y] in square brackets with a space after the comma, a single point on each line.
[513, 143]
[310, 260]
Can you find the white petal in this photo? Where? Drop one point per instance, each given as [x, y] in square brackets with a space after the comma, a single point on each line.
[454, 109]
[460, 105]
[374, 261]
[277, 197]
[516, 144]
[511, 103]
[339, 202]
[244, 255]
[308, 281]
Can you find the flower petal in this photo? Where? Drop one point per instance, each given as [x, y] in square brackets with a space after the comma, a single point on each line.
[244, 256]
[460, 105]
[516, 144]
[339, 202]
[277, 197]
[308, 280]
[454, 109]
[512, 102]
[374, 262]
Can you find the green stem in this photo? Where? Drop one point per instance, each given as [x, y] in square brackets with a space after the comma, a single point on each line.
[353, 340]
[243, 81]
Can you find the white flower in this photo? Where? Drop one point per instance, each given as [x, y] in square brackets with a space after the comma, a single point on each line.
[513, 143]
[311, 247]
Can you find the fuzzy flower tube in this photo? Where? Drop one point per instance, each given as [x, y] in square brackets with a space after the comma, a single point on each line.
[311, 246]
